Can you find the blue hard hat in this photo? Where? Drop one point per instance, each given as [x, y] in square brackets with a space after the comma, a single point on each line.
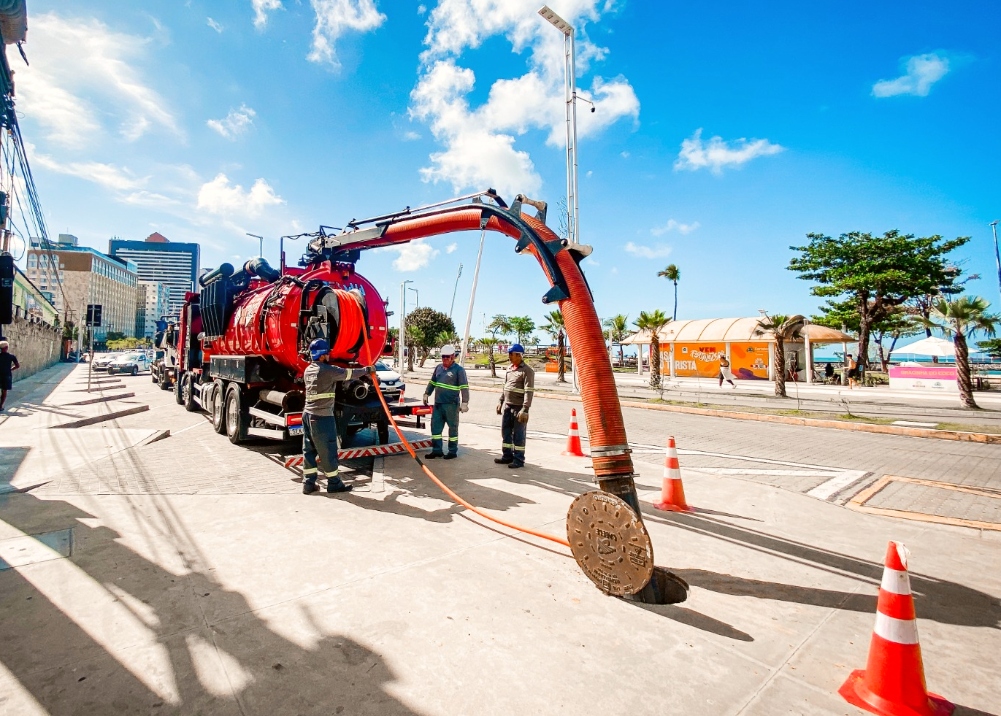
[516, 348]
[318, 349]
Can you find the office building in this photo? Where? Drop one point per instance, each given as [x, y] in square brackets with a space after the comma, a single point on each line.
[31, 302]
[76, 276]
[154, 302]
[175, 265]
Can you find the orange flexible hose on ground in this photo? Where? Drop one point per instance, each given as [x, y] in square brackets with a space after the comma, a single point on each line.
[444, 488]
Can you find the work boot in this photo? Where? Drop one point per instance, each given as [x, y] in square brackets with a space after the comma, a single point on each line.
[516, 465]
[503, 460]
[433, 455]
[451, 456]
[339, 488]
[308, 488]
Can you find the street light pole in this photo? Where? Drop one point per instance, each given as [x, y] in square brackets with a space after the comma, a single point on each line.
[454, 291]
[418, 296]
[997, 255]
[261, 240]
[403, 323]
[570, 92]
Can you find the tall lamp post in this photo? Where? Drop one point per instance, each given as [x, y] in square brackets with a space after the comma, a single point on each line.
[418, 295]
[403, 323]
[261, 240]
[570, 88]
[997, 255]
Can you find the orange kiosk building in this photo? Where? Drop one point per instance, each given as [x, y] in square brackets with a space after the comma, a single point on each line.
[693, 348]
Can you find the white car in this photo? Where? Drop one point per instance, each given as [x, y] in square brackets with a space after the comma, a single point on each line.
[103, 360]
[390, 382]
[132, 363]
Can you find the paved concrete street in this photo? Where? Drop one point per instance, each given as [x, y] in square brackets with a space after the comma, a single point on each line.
[149, 566]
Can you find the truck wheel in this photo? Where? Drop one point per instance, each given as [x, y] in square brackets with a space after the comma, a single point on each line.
[383, 429]
[152, 376]
[219, 407]
[164, 383]
[178, 381]
[188, 393]
[236, 416]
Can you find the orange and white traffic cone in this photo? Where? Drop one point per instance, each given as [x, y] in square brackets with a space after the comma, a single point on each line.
[573, 438]
[893, 682]
[672, 492]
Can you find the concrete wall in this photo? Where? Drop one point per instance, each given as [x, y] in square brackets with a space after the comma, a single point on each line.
[35, 344]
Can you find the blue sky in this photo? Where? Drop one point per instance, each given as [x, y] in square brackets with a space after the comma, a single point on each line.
[722, 135]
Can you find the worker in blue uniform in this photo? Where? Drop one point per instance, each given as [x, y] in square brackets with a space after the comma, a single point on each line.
[319, 426]
[451, 397]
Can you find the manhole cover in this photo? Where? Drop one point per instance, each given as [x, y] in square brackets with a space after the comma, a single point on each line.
[609, 543]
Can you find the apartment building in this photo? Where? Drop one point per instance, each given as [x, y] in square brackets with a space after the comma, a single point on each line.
[158, 259]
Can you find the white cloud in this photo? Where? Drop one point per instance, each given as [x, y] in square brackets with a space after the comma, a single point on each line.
[411, 256]
[411, 136]
[261, 10]
[648, 252]
[922, 71]
[673, 225]
[333, 18]
[81, 75]
[717, 154]
[220, 197]
[479, 144]
[106, 175]
[624, 155]
[451, 248]
[234, 124]
[214, 25]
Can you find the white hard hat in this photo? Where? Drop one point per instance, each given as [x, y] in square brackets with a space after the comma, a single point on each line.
[447, 350]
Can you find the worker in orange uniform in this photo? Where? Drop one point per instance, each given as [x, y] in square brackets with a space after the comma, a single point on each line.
[319, 426]
[519, 387]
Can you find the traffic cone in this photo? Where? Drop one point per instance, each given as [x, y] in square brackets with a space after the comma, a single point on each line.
[893, 682]
[672, 493]
[573, 438]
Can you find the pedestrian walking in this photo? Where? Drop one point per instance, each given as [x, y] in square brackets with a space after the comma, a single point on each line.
[451, 397]
[852, 372]
[725, 373]
[319, 426]
[8, 364]
[828, 372]
[519, 387]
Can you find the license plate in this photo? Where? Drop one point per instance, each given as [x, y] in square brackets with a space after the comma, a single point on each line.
[294, 431]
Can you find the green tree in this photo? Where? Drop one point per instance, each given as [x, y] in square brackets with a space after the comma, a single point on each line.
[672, 274]
[499, 326]
[554, 327]
[654, 321]
[871, 275]
[897, 324]
[431, 324]
[781, 328]
[961, 319]
[521, 326]
[114, 336]
[490, 343]
[415, 337]
[617, 329]
[991, 347]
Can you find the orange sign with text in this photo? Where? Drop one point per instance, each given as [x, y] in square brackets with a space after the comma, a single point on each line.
[749, 361]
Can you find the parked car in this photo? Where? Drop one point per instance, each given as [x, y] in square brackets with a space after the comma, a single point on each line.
[390, 382]
[103, 360]
[131, 363]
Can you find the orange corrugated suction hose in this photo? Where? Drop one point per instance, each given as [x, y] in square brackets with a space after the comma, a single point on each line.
[455, 498]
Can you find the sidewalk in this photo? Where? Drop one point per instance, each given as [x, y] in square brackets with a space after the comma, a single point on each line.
[188, 575]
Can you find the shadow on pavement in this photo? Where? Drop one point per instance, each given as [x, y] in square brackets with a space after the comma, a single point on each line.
[169, 656]
[686, 616]
[940, 600]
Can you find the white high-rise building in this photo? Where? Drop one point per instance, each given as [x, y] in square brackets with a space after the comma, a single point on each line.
[155, 299]
[172, 264]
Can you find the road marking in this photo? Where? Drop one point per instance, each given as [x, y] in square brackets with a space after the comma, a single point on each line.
[827, 490]
[859, 502]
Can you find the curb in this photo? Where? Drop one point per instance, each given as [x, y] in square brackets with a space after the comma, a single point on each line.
[956, 435]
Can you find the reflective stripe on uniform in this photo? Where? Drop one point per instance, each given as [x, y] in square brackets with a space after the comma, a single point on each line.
[507, 445]
[446, 386]
[308, 470]
[451, 439]
[321, 396]
[331, 474]
[436, 437]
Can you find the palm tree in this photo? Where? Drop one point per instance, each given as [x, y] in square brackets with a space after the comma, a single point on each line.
[521, 326]
[554, 327]
[489, 344]
[672, 274]
[617, 328]
[500, 325]
[961, 319]
[415, 337]
[782, 328]
[654, 321]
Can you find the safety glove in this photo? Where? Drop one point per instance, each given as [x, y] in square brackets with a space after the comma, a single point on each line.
[464, 407]
[523, 416]
[425, 399]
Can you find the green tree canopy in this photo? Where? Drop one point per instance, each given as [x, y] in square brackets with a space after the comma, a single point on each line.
[653, 321]
[499, 325]
[782, 328]
[521, 326]
[425, 326]
[554, 327]
[871, 275]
